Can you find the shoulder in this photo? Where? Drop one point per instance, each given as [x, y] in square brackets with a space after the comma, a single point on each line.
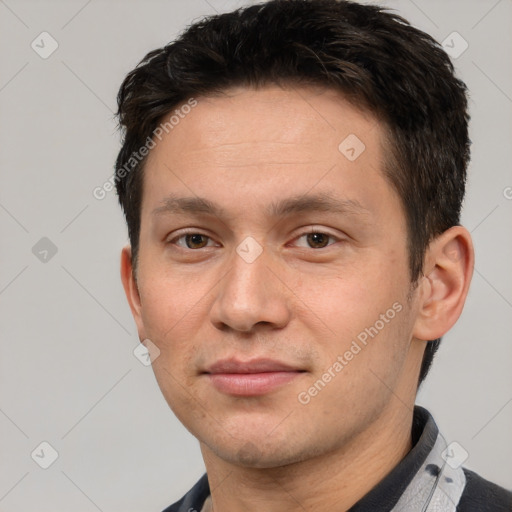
[480, 495]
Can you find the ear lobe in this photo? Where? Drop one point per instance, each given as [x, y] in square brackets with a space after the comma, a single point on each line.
[449, 263]
[131, 290]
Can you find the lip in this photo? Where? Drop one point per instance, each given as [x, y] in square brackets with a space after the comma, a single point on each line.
[261, 365]
[250, 378]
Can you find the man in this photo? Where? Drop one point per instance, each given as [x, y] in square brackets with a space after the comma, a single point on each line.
[292, 176]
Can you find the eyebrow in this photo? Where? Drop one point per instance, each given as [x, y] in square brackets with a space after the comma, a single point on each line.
[286, 207]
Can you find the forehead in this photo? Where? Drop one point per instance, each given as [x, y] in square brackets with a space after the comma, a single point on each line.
[268, 119]
[268, 143]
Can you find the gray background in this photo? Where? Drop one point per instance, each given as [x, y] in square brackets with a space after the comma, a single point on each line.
[68, 375]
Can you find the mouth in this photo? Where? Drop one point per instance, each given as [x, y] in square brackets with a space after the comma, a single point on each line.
[250, 378]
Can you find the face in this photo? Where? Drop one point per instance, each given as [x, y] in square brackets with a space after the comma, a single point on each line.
[273, 274]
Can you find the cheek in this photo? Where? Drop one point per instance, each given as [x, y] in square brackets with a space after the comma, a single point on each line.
[366, 356]
[364, 319]
[169, 307]
[350, 302]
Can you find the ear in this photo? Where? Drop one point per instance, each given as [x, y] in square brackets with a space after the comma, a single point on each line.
[131, 290]
[448, 268]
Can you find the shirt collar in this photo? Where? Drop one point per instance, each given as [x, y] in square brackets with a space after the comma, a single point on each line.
[388, 491]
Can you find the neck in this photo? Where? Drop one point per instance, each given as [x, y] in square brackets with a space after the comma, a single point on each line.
[341, 477]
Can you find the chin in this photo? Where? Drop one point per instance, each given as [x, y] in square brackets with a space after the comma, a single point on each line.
[250, 455]
[261, 454]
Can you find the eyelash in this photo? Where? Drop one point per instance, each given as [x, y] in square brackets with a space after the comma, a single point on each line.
[305, 233]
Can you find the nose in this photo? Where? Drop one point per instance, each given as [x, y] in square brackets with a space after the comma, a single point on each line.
[251, 293]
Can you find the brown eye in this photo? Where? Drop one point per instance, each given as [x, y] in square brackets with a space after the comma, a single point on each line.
[191, 240]
[194, 240]
[315, 239]
[318, 240]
